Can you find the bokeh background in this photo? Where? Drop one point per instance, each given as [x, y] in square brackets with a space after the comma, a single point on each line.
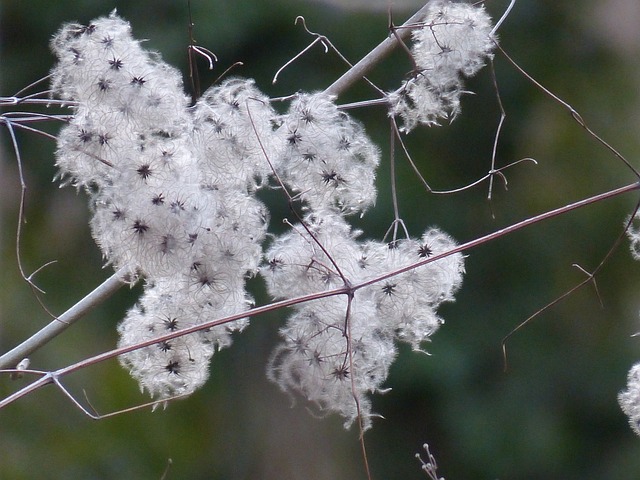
[552, 415]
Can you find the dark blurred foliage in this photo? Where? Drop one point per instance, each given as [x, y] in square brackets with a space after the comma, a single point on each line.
[552, 415]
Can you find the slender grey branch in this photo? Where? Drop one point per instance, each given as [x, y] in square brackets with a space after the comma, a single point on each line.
[376, 55]
[96, 297]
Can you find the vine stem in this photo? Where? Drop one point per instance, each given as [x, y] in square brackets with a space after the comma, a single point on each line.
[375, 56]
[61, 323]
[507, 230]
[53, 377]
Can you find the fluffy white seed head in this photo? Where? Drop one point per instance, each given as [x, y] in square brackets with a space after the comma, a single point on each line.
[328, 160]
[324, 342]
[126, 99]
[172, 194]
[234, 134]
[629, 399]
[333, 369]
[170, 201]
[453, 41]
[633, 232]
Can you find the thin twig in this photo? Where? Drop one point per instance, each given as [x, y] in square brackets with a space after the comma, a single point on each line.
[574, 113]
[394, 186]
[503, 116]
[326, 43]
[21, 208]
[354, 392]
[97, 416]
[31, 85]
[590, 279]
[502, 19]
[396, 132]
[298, 55]
[226, 72]
[489, 175]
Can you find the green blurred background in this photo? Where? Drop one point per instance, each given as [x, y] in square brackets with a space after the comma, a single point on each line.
[552, 415]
